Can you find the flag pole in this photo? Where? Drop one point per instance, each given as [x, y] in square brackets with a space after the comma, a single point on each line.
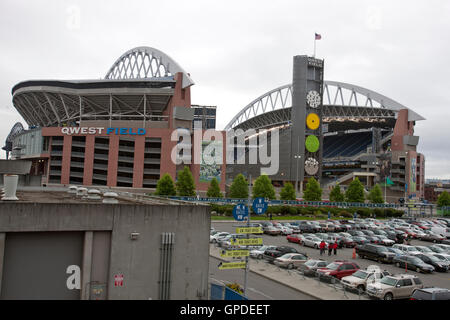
[314, 55]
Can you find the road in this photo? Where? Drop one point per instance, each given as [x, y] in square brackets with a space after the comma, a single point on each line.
[436, 279]
[259, 288]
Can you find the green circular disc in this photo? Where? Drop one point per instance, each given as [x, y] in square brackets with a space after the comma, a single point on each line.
[312, 143]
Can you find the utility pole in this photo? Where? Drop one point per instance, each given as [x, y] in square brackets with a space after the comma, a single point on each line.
[248, 235]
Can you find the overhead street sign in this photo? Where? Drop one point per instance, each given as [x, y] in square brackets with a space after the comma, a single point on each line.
[232, 265]
[240, 212]
[259, 205]
[247, 242]
[249, 230]
[235, 253]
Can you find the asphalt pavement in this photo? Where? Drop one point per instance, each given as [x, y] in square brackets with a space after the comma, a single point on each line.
[436, 279]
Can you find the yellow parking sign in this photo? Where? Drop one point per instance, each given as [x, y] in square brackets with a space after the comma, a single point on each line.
[247, 242]
[249, 230]
[232, 265]
[235, 253]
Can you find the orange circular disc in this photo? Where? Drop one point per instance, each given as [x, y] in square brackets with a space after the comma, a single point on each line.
[312, 121]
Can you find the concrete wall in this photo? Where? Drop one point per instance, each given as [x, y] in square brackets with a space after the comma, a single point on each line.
[138, 260]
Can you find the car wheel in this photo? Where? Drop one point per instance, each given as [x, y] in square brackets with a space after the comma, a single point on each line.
[417, 269]
[260, 256]
[388, 296]
[434, 241]
[316, 247]
[290, 266]
[361, 288]
[379, 260]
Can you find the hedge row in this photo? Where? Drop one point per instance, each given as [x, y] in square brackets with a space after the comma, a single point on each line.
[318, 212]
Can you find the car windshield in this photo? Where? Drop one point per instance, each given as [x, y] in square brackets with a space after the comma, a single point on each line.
[425, 249]
[263, 248]
[311, 263]
[433, 258]
[286, 256]
[382, 249]
[360, 274]
[416, 260]
[333, 266]
[389, 281]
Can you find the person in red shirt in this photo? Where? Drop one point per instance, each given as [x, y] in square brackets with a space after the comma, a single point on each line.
[335, 245]
[330, 248]
[322, 246]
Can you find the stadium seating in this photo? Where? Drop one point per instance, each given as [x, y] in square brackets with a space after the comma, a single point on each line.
[346, 145]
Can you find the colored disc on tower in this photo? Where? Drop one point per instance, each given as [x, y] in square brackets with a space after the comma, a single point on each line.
[312, 121]
[312, 143]
[311, 166]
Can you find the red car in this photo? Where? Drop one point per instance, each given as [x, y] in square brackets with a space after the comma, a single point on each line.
[295, 238]
[338, 269]
[409, 232]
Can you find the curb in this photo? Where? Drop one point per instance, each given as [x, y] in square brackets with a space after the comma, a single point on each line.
[279, 282]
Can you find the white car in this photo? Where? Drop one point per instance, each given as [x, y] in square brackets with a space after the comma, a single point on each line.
[285, 230]
[406, 248]
[313, 242]
[259, 252]
[385, 240]
[217, 237]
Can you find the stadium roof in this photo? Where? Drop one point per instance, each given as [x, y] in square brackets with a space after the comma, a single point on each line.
[343, 103]
[138, 85]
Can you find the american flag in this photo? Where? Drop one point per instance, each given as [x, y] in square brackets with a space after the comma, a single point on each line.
[318, 36]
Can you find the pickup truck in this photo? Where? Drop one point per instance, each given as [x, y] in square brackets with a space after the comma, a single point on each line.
[271, 254]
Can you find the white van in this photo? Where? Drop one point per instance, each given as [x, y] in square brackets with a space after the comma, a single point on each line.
[440, 230]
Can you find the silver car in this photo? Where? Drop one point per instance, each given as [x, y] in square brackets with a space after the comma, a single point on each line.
[313, 242]
[259, 253]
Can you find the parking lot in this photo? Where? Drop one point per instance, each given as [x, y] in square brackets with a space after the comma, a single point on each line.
[435, 279]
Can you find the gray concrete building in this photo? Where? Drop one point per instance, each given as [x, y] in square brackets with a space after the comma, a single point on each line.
[55, 245]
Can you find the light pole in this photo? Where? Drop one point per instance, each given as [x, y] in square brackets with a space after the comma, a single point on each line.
[297, 157]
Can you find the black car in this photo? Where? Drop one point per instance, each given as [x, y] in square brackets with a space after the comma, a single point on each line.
[431, 294]
[347, 242]
[368, 232]
[360, 240]
[271, 254]
[398, 238]
[439, 265]
[374, 252]
[412, 263]
[306, 228]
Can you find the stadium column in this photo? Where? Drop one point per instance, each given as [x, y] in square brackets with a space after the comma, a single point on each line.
[88, 160]
[67, 154]
[113, 159]
[166, 163]
[138, 166]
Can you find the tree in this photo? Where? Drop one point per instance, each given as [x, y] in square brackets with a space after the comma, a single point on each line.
[165, 186]
[376, 195]
[263, 188]
[214, 189]
[239, 187]
[312, 192]
[185, 183]
[288, 192]
[355, 192]
[443, 199]
[336, 195]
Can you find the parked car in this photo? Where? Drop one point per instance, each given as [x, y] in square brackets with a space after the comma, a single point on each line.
[446, 247]
[374, 252]
[360, 240]
[356, 233]
[294, 228]
[327, 227]
[271, 230]
[431, 294]
[395, 251]
[412, 263]
[432, 237]
[216, 237]
[295, 238]
[384, 240]
[368, 232]
[291, 260]
[347, 242]
[259, 252]
[442, 256]
[271, 254]
[225, 242]
[394, 287]
[424, 249]
[406, 248]
[439, 265]
[309, 268]
[361, 278]
[437, 249]
[312, 241]
[338, 269]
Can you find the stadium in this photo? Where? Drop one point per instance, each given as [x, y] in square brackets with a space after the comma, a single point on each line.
[365, 134]
[112, 132]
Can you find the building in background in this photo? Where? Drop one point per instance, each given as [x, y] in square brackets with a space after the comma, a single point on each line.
[115, 132]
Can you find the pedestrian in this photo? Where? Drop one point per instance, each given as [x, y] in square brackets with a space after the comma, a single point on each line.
[330, 248]
[270, 216]
[335, 245]
[322, 246]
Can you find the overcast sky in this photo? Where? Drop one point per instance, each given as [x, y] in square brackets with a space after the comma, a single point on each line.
[237, 50]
